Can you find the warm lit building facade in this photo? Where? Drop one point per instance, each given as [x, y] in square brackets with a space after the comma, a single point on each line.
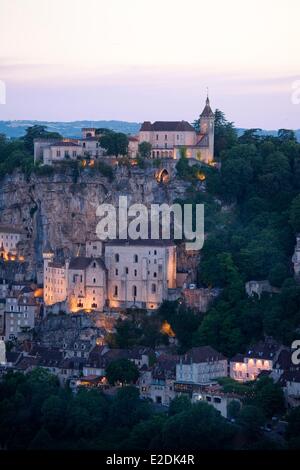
[86, 284]
[170, 139]
[10, 236]
[259, 358]
[128, 274]
[50, 151]
[140, 273]
[55, 279]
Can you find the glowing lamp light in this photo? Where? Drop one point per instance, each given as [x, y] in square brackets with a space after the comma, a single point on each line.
[166, 329]
[201, 176]
[38, 292]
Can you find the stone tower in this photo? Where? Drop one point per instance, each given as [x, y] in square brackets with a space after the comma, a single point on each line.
[48, 254]
[207, 127]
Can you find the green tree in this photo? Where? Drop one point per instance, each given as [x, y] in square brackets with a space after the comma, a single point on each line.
[123, 371]
[53, 414]
[38, 132]
[295, 214]
[179, 404]
[127, 409]
[293, 428]
[269, 397]
[252, 419]
[200, 427]
[145, 149]
[115, 143]
[225, 133]
[233, 409]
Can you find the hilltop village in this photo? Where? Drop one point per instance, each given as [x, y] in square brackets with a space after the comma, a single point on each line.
[103, 315]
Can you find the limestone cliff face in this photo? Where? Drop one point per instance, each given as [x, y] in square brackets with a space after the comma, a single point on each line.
[61, 208]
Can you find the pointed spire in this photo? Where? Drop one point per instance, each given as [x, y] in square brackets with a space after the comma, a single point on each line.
[48, 248]
[207, 111]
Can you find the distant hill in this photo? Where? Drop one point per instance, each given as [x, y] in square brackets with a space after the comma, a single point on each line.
[73, 128]
[67, 129]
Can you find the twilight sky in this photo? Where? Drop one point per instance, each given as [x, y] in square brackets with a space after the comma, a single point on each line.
[141, 60]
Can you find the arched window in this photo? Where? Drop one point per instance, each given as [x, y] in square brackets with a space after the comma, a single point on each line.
[94, 264]
[134, 291]
[94, 280]
[117, 257]
[135, 258]
[153, 288]
[115, 291]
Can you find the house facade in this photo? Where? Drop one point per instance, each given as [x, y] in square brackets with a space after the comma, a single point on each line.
[260, 357]
[140, 273]
[170, 139]
[21, 310]
[10, 236]
[122, 274]
[51, 151]
[200, 366]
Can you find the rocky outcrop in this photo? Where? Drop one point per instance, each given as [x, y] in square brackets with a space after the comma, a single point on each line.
[61, 208]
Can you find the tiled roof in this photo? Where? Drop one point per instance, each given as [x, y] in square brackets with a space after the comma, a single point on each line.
[64, 144]
[202, 354]
[13, 357]
[56, 264]
[136, 353]
[73, 363]
[6, 228]
[237, 358]
[284, 361]
[289, 376]
[165, 367]
[26, 362]
[263, 350]
[83, 262]
[167, 126]
[140, 242]
[207, 112]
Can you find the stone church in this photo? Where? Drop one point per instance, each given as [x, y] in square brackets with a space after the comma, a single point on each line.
[170, 139]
